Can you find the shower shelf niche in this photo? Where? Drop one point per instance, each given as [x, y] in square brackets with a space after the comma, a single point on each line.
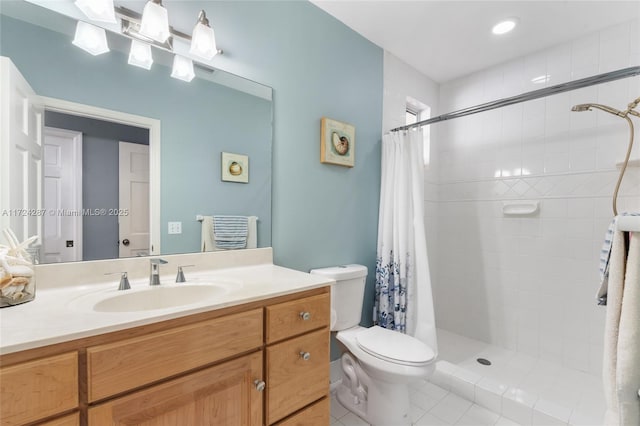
[520, 207]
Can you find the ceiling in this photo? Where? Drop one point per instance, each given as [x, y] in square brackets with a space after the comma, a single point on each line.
[448, 39]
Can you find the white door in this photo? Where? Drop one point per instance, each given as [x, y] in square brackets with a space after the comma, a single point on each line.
[133, 206]
[21, 122]
[62, 196]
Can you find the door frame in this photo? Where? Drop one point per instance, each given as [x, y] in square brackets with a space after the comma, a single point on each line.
[76, 143]
[153, 125]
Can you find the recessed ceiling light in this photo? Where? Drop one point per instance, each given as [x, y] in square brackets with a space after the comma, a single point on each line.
[504, 27]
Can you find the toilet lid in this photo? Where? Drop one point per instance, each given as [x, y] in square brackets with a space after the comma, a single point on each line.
[394, 346]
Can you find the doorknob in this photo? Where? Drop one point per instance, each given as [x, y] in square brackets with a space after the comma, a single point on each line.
[125, 242]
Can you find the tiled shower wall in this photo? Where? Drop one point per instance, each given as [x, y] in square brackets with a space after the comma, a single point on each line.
[528, 283]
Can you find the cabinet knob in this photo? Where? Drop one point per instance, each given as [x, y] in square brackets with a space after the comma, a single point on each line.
[259, 384]
[306, 316]
[305, 355]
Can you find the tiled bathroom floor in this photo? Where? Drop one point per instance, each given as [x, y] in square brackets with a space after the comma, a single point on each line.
[515, 390]
[431, 406]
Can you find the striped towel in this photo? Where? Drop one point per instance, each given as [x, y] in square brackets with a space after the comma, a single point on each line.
[605, 255]
[230, 232]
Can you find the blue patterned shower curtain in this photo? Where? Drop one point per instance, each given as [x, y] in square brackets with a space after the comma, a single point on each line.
[403, 298]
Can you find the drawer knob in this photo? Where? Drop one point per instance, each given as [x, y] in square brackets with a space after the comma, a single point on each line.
[305, 355]
[306, 316]
[259, 384]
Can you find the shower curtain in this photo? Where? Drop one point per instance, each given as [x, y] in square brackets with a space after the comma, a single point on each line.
[403, 298]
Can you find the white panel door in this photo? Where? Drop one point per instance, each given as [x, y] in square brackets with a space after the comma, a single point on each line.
[133, 219]
[21, 151]
[62, 196]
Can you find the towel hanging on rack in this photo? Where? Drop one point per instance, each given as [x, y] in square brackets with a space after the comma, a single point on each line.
[208, 242]
[605, 255]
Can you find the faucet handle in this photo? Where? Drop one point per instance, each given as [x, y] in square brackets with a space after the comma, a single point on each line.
[158, 261]
[124, 280]
[180, 277]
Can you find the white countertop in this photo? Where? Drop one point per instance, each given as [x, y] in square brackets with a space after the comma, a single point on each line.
[59, 314]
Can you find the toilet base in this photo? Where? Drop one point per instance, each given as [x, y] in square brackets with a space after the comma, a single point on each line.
[377, 402]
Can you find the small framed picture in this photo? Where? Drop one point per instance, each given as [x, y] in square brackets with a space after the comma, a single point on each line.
[235, 167]
[337, 142]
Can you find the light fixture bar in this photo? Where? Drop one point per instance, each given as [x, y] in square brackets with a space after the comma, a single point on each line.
[130, 26]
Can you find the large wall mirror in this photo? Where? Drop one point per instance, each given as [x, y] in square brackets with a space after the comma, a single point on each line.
[94, 108]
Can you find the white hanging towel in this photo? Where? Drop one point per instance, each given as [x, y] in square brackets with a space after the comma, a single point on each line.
[621, 363]
[207, 238]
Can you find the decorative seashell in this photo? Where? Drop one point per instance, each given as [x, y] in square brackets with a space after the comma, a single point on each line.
[340, 143]
[5, 278]
[235, 169]
[12, 291]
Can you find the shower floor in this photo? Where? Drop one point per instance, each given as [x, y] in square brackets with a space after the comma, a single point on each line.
[516, 389]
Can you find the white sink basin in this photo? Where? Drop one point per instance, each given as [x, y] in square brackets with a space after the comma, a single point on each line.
[149, 298]
[158, 298]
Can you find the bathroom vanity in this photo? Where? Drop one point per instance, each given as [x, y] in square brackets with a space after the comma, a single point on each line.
[256, 355]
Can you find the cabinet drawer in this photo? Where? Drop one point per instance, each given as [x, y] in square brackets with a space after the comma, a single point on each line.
[292, 381]
[289, 319]
[316, 414]
[38, 389]
[116, 367]
[70, 420]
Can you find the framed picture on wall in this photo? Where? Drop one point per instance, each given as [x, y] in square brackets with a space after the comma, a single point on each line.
[235, 167]
[337, 142]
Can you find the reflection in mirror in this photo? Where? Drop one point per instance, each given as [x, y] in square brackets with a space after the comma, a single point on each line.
[100, 101]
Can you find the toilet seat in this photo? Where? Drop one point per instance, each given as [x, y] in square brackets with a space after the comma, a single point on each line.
[394, 346]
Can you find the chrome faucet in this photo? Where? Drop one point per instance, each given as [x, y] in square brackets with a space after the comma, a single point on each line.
[154, 277]
[180, 277]
[124, 280]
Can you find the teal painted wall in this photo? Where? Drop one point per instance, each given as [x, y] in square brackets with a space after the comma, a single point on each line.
[323, 214]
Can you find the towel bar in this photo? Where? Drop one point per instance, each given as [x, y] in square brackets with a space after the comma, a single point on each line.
[628, 223]
[200, 218]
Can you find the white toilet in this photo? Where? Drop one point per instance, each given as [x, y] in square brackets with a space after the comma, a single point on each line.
[380, 363]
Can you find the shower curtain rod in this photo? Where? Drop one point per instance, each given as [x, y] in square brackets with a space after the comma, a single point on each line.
[528, 96]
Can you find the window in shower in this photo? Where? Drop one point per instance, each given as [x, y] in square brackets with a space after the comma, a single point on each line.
[417, 111]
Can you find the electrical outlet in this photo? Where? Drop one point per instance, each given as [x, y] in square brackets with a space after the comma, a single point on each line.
[175, 227]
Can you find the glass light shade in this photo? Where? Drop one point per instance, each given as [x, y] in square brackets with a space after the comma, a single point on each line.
[91, 38]
[97, 10]
[203, 42]
[182, 68]
[155, 22]
[140, 54]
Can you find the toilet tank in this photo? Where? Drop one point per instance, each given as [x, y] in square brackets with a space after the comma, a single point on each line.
[347, 294]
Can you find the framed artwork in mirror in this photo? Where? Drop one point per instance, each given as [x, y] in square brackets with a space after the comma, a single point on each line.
[337, 142]
[235, 167]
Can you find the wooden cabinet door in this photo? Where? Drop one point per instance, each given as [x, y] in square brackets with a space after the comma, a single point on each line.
[221, 395]
[37, 389]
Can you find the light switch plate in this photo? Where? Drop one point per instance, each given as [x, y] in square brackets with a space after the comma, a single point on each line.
[175, 227]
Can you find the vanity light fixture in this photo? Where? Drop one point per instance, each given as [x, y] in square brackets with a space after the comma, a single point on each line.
[97, 10]
[505, 26]
[182, 68]
[151, 28]
[203, 39]
[140, 54]
[90, 38]
[155, 21]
